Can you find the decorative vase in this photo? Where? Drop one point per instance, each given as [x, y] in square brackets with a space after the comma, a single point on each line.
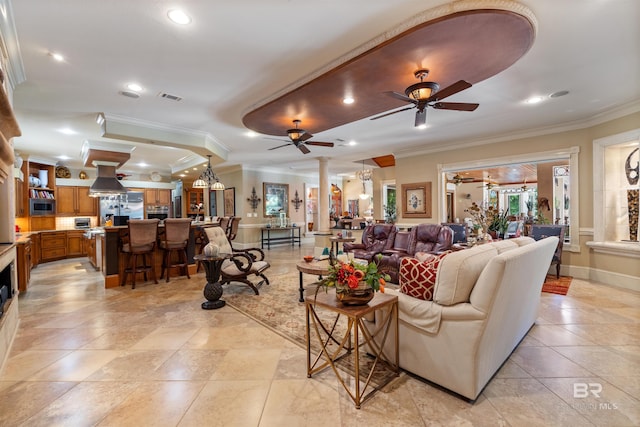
[211, 250]
[44, 178]
[357, 296]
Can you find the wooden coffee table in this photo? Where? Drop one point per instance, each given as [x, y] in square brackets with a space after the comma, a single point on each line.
[318, 268]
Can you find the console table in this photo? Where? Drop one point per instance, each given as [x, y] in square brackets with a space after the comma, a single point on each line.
[292, 236]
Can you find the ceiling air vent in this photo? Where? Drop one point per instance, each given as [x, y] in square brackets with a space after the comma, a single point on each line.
[169, 96]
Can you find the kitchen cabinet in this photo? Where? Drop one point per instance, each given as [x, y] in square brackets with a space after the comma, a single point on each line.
[75, 243]
[53, 245]
[35, 249]
[74, 201]
[90, 246]
[42, 223]
[24, 264]
[157, 197]
[19, 189]
[194, 198]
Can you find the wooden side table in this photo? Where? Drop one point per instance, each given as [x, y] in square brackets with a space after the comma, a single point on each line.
[319, 268]
[355, 336]
[337, 240]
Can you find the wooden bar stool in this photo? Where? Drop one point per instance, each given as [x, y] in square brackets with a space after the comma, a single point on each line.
[175, 239]
[143, 234]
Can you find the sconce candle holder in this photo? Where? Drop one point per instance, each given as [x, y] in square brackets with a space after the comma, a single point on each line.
[254, 200]
[297, 201]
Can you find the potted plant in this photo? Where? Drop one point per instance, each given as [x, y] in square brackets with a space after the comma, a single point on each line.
[499, 224]
[355, 282]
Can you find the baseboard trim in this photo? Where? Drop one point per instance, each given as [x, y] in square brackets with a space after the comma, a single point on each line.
[610, 278]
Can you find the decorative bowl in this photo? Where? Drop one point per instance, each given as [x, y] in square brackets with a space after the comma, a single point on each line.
[308, 258]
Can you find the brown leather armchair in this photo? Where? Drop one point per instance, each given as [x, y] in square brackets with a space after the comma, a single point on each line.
[428, 238]
[375, 239]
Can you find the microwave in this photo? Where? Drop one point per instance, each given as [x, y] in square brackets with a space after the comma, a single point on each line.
[38, 207]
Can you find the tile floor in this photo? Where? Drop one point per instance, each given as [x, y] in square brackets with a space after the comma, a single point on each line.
[151, 356]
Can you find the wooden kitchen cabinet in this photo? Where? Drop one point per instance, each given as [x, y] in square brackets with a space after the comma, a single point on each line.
[24, 264]
[42, 223]
[53, 245]
[90, 246]
[156, 196]
[35, 249]
[19, 194]
[74, 201]
[75, 243]
[194, 198]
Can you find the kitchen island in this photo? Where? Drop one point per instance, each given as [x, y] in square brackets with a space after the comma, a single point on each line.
[114, 260]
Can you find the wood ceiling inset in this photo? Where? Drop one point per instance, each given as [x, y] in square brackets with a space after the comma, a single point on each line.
[471, 45]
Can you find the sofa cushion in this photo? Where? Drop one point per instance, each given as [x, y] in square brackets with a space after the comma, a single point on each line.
[504, 245]
[522, 241]
[417, 278]
[458, 274]
[424, 256]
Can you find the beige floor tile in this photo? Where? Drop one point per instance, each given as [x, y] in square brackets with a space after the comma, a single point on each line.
[164, 339]
[630, 385]
[75, 366]
[69, 339]
[132, 365]
[545, 362]
[511, 370]
[228, 403]
[157, 403]
[221, 338]
[611, 406]
[119, 338]
[84, 405]
[246, 364]
[21, 400]
[191, 365]
[527, 402]
[24, 364]
[301, 403]
[601, 360]
[551, 335]
[607, 334]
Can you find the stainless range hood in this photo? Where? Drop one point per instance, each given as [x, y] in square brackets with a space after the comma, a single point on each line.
[106, 184]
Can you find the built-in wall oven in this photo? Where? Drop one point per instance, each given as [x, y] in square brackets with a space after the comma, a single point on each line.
[39, 207]
[158, 212]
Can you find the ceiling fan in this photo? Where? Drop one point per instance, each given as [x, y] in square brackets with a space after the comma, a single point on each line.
[426, 94]
[459, 179]
[300, 139]
[489, 185]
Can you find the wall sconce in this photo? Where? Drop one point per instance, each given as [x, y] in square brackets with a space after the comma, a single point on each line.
[297, 201]
[254, 199]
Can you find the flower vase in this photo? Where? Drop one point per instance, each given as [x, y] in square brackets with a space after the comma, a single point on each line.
[356, 296]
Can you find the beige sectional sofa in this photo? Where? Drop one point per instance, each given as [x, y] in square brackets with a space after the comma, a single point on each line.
[485, 300]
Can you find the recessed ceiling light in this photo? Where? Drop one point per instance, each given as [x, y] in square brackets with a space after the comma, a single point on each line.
[251, 134]
[143, 164]
[352, 142]
[182, 175]
[186, 171]
[179, 17]
[534, 100]
[348, 100]
[421, 127]
[134, 86]
[67, 131]
[63, 157]
[195, 169]
[56, 56]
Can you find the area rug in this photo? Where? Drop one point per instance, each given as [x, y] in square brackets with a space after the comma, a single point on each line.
[277, 307]
[556, 286]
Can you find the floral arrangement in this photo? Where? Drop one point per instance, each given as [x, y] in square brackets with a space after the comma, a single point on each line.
[488, 218]
[348, 275]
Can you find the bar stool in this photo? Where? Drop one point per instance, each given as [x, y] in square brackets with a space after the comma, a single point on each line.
[175, 239]
[143, 234]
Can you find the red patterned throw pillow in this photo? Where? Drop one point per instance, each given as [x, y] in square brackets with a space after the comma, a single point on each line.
[417, 279]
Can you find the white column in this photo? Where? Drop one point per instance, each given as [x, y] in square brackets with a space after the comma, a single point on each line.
[323, 196]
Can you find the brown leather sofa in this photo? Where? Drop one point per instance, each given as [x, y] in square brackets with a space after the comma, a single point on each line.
[426, 238]
[375, 239]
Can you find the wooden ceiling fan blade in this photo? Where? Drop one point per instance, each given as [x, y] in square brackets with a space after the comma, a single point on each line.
[458, 86]
[279, 146]
[400, 96]
[392, 112]
[459, 106]
[304, 149]
[305, 136]
[421, 117]
[320, 143]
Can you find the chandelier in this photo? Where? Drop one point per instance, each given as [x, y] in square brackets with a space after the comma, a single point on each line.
[208, 179]
[364, 176]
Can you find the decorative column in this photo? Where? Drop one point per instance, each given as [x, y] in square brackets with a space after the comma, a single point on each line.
[323, 196]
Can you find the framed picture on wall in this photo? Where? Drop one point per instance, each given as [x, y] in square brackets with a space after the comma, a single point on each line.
[276, 199]
[416, 202]
[230, 201]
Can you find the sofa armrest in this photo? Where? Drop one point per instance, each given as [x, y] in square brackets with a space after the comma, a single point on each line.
[352, 246]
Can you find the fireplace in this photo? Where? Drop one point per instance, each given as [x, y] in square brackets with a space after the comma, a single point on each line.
[6, 286]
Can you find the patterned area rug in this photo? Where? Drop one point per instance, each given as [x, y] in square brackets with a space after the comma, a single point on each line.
[277, 307]
[556, 286]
